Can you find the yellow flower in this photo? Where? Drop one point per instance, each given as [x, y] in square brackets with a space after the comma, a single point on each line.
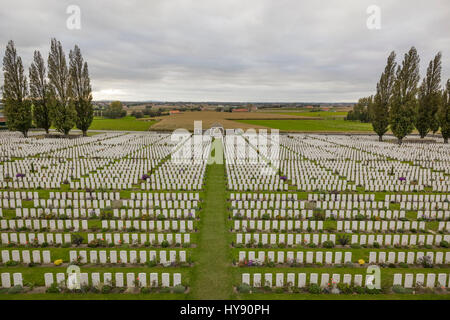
[58, 262]
[361, 261]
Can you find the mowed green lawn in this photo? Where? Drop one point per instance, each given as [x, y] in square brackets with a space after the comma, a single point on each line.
[126, 123]
[312, 125]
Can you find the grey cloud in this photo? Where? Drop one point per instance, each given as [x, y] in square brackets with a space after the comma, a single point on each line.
[253, 50]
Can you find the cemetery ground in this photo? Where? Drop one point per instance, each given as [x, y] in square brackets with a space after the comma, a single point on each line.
[142, 226]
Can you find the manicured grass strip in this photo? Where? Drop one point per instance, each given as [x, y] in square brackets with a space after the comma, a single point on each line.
[212, 277]
[312, 125]
[125, 123]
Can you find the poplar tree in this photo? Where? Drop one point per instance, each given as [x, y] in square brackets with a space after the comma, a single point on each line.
[81, 90]
[39, 93]
[62, 108]
[379, 111]
[429, 96]
[444, 112]
[403, 102]
[15, 91]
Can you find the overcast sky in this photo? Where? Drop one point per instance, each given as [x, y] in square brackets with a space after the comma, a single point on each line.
[232, 50]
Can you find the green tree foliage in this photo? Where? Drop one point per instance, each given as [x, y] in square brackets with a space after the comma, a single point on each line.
[429, 96]
[115, 110]
[444, 113]
[379, 110]
[149, 111]
[15, 91]
[81, 90]
[62, 107]
[403, 102]
[137, 114]
[360, 111]
[39, 93]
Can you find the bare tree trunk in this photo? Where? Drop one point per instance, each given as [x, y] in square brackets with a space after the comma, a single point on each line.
[380, 138]
[85, 133]
[446, 140]
[399, 140]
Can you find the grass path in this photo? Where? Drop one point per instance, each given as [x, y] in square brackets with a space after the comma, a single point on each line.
[212, 277]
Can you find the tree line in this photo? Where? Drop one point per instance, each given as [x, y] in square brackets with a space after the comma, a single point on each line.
[401, 104]
[58, 94]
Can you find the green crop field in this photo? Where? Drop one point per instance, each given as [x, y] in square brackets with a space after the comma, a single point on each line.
[315, 114]
[313, 125]
[126, 123]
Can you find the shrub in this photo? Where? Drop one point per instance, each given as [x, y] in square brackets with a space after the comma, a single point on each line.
[179, 289]
[164, 243]
[426, 262]
[244, 288]
[106, 289]
[314, 288]
[444, 244]
[151, 263]
[343, 239]
[360, 290]
[344, 288]
[15, 289]
[265, 216]
[145, 290]
[328, 244]
[77, 239]
[399, 289]
[11, 263]
[355, 246]
[376, 245]
[53, 288]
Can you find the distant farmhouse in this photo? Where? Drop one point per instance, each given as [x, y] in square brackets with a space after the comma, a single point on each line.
[248, 108]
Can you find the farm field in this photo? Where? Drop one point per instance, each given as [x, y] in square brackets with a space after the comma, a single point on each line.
[316, 114]
[305, 125]
[227, 119]
[128, 123]
[301, 217]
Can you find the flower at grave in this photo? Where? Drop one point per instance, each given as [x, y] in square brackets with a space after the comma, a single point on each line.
[402, 179]
[283, 178]
[58, 262]
[361, 262]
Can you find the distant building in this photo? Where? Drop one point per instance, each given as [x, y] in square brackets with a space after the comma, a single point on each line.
[174, 111]
[239, 110]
